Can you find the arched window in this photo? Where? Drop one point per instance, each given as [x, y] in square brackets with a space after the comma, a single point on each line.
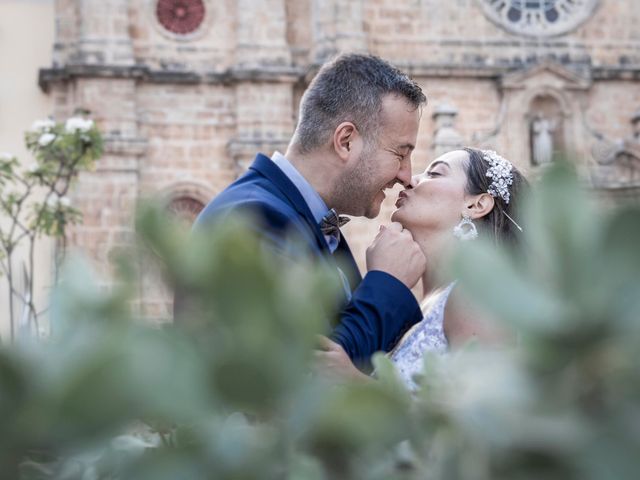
[185, 208]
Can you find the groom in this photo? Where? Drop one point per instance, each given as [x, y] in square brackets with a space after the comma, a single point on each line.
[357, 128]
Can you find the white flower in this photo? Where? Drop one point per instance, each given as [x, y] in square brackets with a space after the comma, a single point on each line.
[78, 124]
[5, 156]
[45, 139]
[57, 202]
[43, 125]
[33, 168]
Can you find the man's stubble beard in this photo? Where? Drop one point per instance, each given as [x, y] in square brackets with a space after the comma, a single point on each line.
[354, 192]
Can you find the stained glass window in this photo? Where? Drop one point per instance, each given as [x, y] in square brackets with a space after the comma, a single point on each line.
[539, 17]
[180, 16]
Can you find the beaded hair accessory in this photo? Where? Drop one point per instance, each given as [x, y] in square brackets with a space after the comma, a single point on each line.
[501, 178]
[500, 173]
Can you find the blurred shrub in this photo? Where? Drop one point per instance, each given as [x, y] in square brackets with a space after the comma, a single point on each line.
[229, 393]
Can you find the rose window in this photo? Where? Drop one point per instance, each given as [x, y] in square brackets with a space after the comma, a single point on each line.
[539, 17]
[180, 17]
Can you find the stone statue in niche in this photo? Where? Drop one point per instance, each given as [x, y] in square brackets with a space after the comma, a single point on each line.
[542, 129]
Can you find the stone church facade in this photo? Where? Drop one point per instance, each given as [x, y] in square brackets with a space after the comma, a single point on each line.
[187, 91]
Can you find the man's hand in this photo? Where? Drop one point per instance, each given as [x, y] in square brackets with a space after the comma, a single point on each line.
[331, 361]
[395, 252]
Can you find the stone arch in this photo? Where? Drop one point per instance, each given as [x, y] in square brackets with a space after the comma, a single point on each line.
[558, 95]
[196, 190]
[186, 199]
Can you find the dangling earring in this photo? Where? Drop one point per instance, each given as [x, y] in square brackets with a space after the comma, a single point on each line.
[465, 230]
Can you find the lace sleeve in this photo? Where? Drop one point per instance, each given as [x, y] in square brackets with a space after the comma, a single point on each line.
[426, 336]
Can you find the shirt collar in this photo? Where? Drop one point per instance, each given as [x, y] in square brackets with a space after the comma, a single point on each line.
[314, 201]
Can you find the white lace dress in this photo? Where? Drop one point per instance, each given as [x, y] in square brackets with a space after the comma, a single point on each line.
[425, 336]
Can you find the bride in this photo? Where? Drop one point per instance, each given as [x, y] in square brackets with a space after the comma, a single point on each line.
[462, 194]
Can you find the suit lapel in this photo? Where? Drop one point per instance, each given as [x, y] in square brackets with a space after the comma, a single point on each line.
[265, 167]
[348, 263]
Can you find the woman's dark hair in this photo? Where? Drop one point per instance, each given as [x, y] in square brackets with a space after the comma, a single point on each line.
[496, 222]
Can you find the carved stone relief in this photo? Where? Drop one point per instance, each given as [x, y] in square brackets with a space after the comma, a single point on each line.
[617, 162]
[446, 136]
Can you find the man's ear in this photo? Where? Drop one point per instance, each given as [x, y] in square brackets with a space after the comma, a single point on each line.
[347, 141]
[480, 205]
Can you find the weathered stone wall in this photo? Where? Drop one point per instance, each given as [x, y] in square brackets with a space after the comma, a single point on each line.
[187, 128]
[208, 50]
[185, 114]
[458, 33]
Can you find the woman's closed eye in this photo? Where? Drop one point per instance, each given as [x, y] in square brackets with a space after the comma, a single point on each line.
[433, 174]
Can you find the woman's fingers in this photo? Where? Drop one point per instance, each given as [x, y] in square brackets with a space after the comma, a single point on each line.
[395, 226]
[326, 344]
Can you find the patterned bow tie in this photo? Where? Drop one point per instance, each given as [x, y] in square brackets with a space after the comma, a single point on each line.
[331, 223]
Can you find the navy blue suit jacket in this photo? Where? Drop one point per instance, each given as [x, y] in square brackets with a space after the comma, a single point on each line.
[381, 308]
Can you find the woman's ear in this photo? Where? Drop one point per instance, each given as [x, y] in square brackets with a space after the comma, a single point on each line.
[480, 205]
[346, 141]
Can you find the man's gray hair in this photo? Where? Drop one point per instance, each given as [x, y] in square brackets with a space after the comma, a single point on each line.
[350, 89]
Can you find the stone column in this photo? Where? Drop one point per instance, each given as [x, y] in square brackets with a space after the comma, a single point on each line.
[264, 81]
[66, 31]
[103, 36]
[107, 195]
[338, 27]
[102, 83]
[264, 120]
[262, 34]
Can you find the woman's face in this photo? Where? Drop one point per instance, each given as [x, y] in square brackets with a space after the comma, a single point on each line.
[438, 197]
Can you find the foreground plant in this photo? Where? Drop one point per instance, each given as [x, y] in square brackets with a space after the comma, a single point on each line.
[35, 202]
[229, 391]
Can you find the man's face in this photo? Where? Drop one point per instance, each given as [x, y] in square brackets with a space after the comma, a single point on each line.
[385, 161]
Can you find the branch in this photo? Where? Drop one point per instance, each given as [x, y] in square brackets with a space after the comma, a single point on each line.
[23, 181]
[5, 268]
[15, 217]
[19, 295]
[32, 307]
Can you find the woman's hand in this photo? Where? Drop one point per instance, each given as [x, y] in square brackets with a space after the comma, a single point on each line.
[333, 362]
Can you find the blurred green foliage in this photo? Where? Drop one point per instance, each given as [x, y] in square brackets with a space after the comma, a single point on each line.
[228, 393]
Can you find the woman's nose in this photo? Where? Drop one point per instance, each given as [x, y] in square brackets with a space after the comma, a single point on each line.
[414, 181]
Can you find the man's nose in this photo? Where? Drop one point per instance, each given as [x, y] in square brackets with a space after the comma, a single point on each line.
[404, 175]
